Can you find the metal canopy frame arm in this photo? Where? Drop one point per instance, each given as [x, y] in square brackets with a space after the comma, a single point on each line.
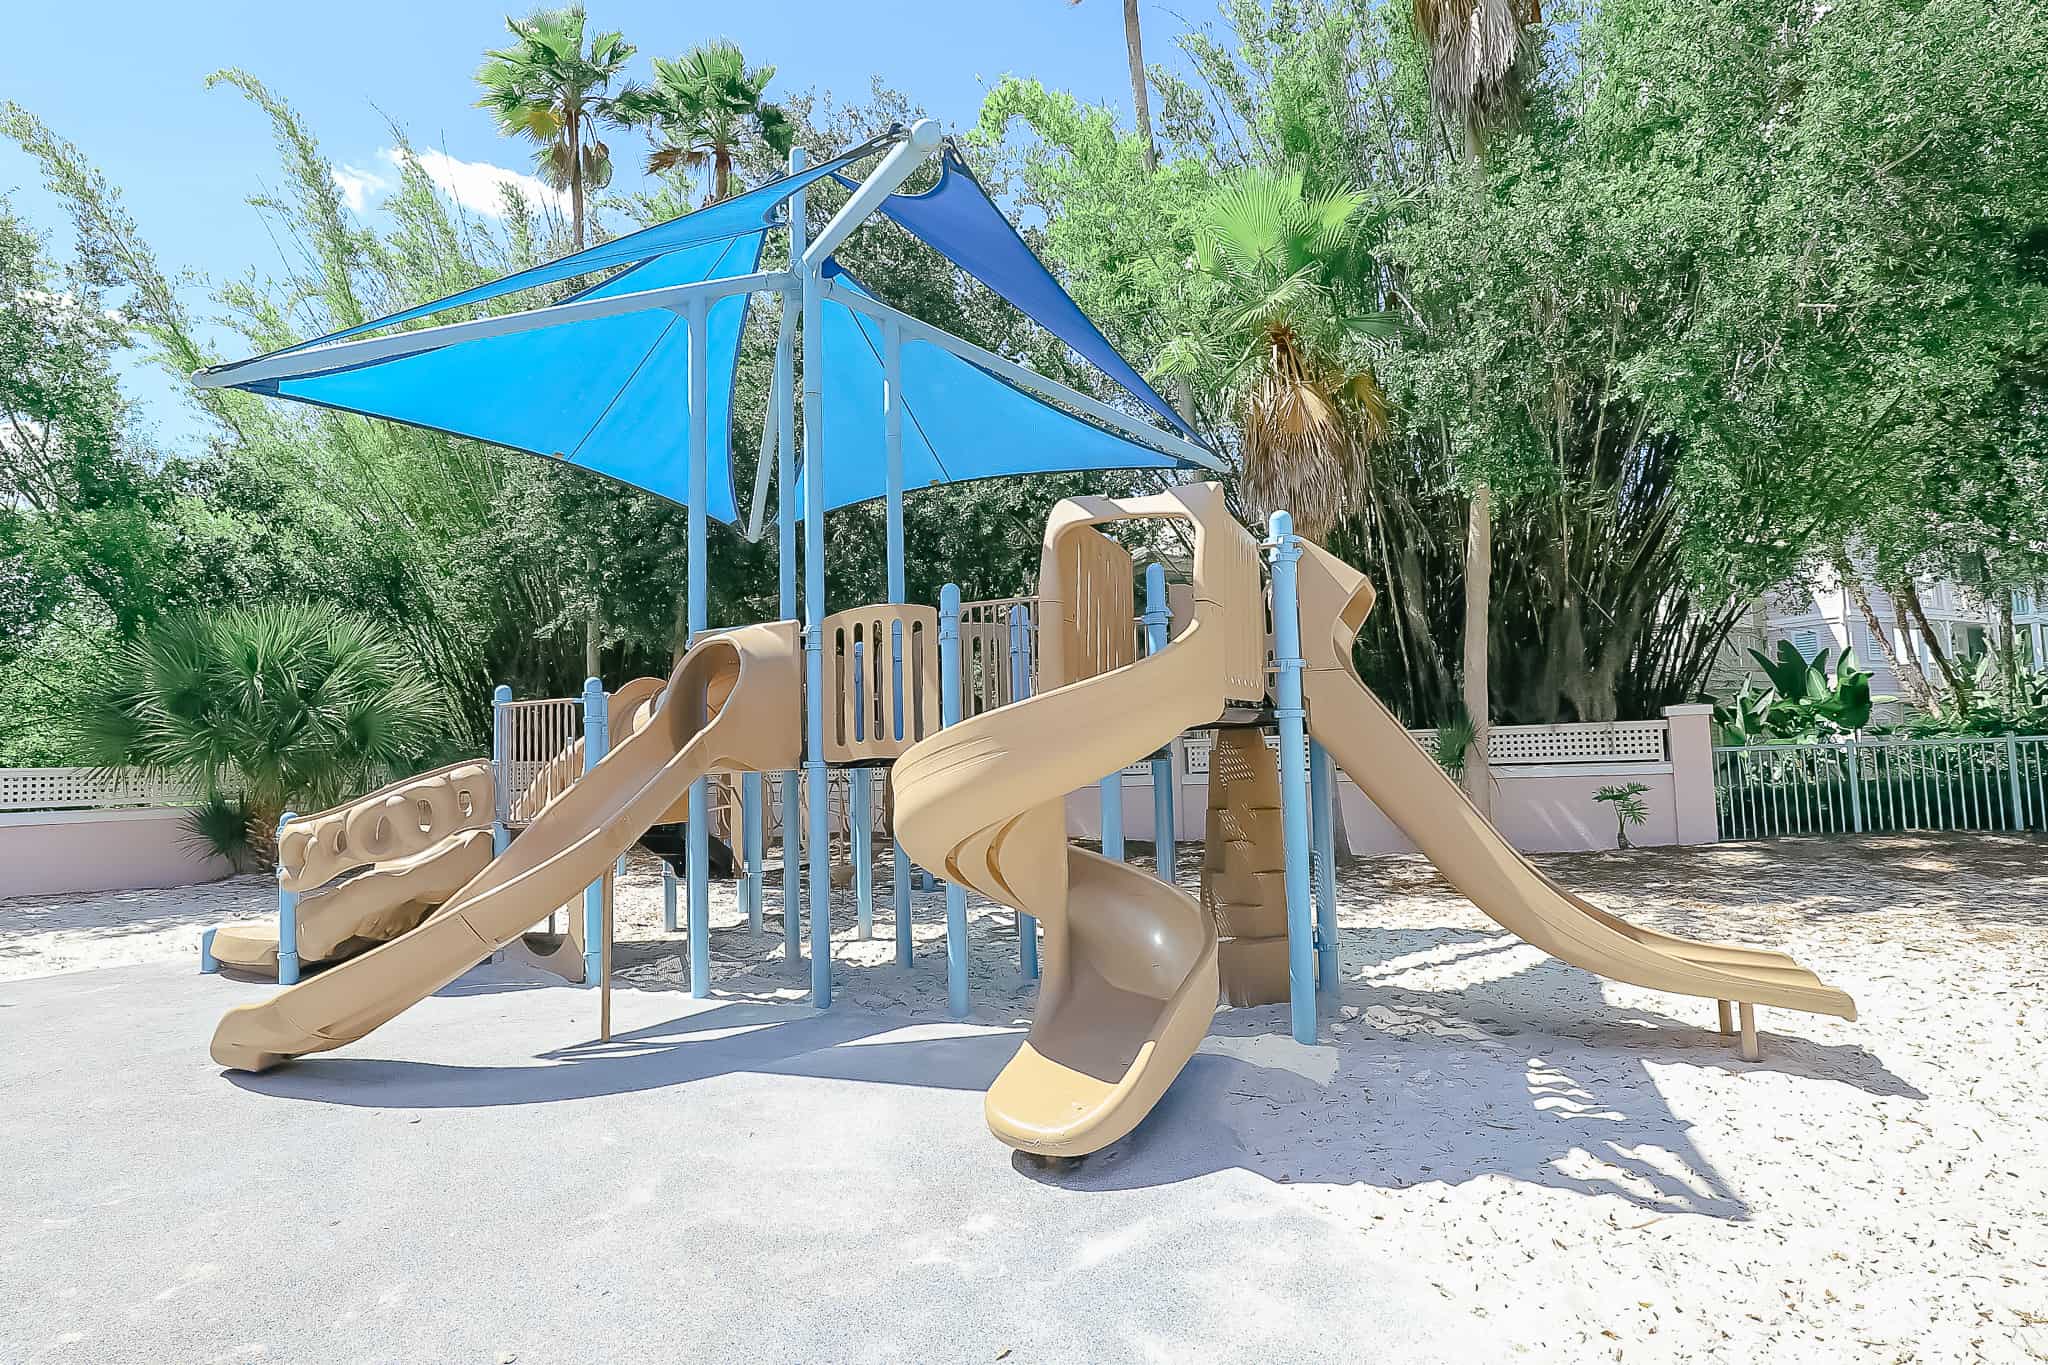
[344, 354]
[1165, 442]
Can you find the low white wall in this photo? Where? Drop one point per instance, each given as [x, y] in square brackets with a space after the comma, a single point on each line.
[1540, 808]
[52, 852]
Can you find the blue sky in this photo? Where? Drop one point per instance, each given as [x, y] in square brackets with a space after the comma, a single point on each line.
[127, 88]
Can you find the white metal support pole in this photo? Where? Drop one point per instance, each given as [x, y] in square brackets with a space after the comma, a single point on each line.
[782, 400]
[698, 833]
[892, 452]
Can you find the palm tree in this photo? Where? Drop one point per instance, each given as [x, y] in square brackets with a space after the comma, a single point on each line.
[549, 88]
[261, 709]
[1478, 78]
[1141, 98]
[1270, 263]
[701, 106]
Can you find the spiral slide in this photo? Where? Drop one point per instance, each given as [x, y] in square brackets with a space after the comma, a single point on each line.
[1411, 790]
[733, 704]
[1128, 963]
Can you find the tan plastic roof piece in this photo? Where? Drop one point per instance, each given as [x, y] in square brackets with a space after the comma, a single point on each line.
[734, 703]
[1128, 983]
[1411, 790]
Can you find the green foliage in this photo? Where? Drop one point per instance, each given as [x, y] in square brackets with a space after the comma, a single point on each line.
[281, 705]
[702, 105]
[549, 88]
[1627, 803]
[1454, 739]
[2003, 700]
[222, 823]
[1801, 702]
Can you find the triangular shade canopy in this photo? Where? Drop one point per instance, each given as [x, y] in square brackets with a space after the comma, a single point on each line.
[957, 219]
[959, 421]
[608, 394]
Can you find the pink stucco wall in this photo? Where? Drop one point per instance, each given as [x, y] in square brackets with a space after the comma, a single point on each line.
[51, 852]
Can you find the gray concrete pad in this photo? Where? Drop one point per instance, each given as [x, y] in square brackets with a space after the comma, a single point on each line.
[480, 1181]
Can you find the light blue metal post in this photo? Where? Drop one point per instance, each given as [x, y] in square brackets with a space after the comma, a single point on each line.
[892, 459]
[697, 835]
[785, 545]
[668, 898]
[949, 714]
[208, 963]
[1323, 831]
[1157, 618]
[287, 919]
[1294, 798]
[752, 798]
[816, 852]
[597, 742]
[860, 816]
[501, 779]
[1020, 688]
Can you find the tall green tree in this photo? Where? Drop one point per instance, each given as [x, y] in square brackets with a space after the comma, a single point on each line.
[702, 106]
[1141, 95]
[1478, 77]
[550, 88]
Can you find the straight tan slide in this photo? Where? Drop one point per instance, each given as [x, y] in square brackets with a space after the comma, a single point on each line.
[734, 703]
[1378, 754]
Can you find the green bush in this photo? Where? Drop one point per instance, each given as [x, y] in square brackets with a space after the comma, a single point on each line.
[280, 706]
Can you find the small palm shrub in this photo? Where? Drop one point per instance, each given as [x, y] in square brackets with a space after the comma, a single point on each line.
[278, 707]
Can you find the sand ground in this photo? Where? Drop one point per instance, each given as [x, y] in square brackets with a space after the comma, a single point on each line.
[1489, 1146]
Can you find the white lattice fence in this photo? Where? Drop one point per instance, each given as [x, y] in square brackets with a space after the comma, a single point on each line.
[1508, 746]
[25, 789]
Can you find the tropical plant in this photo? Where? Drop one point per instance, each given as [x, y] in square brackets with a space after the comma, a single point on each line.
[279, 705]
[1269, 329]
[1453, 743]
[700, 108]
[1801, 702]
[551, 89]
[1627, 803]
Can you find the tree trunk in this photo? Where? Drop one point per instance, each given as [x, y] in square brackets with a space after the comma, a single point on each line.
[1914, 683]
[1478, 588]
[1956, 685]
[721, 172]
[1141, 99]
[593, 626]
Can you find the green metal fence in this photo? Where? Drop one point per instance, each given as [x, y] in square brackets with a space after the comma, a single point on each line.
[1767, 791]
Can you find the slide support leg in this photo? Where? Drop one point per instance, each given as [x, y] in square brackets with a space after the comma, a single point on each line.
[1158, 617]
[1322, 818]
[949, 714]
[863, 821]
[750, 819]
[698, 862]
[208, 963]
[1751, 1050]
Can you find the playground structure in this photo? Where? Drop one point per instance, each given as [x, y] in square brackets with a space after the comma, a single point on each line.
[982, 716]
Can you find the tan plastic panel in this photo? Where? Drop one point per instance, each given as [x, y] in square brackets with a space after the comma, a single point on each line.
[625, 710]
[734, 703]
[863, 720]
[1244, 883]
[1411, 790]
[356, 915]
[1128, 966]
[407, 817]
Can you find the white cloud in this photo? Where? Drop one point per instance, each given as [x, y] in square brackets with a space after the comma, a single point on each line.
[477, 185]
[357, 185]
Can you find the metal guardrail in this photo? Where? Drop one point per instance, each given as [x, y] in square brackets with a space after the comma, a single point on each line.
[1867, 786]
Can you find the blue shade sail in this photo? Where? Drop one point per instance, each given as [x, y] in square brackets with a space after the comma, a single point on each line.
[959, 421]
[742, 215]
[957, 219]
[608, 394]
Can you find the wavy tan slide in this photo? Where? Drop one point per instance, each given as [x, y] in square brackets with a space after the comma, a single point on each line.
[733, 704]
[1128, 967]
[1411, 790]
[410, 845]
